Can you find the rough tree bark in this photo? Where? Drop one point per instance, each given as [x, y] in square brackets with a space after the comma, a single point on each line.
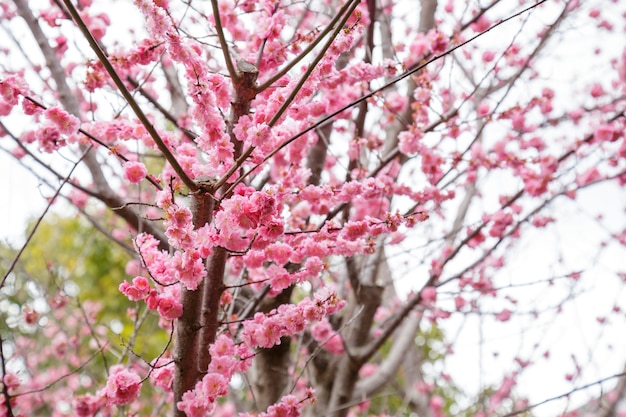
[197, 328]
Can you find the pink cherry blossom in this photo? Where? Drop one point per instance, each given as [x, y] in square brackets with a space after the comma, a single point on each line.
[138, 290]
[86, 405]
[122, 387]
[330, 140]
[504, 315]
[134, 171]
[169, 308]
[162, 375]
[429, 295]
[65, 122]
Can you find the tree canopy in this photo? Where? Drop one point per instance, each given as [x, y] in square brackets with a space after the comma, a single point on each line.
[314, 208]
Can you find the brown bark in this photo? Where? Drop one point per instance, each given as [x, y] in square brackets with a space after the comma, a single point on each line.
[270, 376]
[365, 300]
[197, 327]
[212, 292]
[187, 356]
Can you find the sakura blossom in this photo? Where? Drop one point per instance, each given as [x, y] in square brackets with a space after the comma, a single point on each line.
[287, 208]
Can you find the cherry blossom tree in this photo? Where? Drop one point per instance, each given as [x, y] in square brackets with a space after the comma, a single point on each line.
[310, 192]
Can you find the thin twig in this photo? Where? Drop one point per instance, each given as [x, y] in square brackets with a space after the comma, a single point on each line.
[220, 35]
[62, 377]
[40, 219]
[565, 395]
[5, 388]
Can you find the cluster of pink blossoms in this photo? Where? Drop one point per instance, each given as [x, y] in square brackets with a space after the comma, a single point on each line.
[265, 330]
[288, 406]
[209, 91]
[226, 360]
[246, 217]
[10, 90]
[51, 133]
[143, 54]
[122, 387]
[183, 267]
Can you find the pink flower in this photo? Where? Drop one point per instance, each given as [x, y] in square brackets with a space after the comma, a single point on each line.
[483, 109]
[49, 138]
[136, 291]
[597, 90]
[272, 229]
[439, 42]
[259, 135]
[195, 406]
[65, 122]
[605, 132]
[10, 89]
[78, 198]
[459, 302]
[223, 346]
[588, 177]
[429, 294]
[279, 278]
[11, 381]
[279, 252]
[436, 405]
[223, 365]
[86, 405]
[323, 333]
[368, 369]
[594, 13]
[501, 220]
[169, 308]
[420, 47]
[214, 385]
[30, 108]
[481, 24]
[541, 221]
[122, 387]
[162, 375]
[134, 171]
[504, 315]
[409, 141]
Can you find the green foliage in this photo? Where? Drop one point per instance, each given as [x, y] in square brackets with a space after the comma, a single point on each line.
[67, 253]
[68, 256]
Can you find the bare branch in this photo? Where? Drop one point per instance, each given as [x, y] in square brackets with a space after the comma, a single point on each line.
[224, 46]
[39, 220]
[565, 395]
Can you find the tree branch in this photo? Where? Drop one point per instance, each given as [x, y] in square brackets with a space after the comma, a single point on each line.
[224, 45]
[564, 395]
[39, 220]
[129, 97]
